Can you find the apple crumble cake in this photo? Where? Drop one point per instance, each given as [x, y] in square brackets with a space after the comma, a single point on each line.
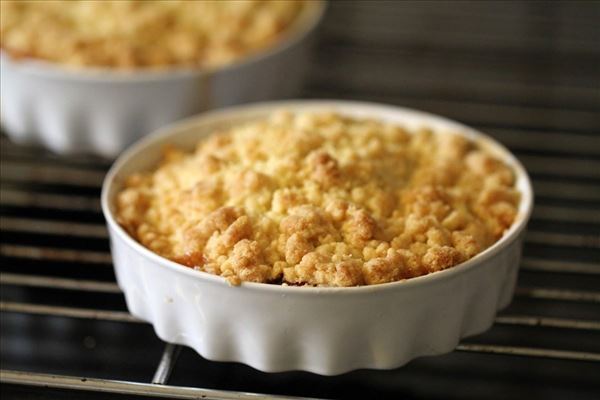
[130, 34]
[321, 199]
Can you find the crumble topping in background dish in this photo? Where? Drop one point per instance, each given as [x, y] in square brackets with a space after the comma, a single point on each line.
[129, 34]
[321, 199]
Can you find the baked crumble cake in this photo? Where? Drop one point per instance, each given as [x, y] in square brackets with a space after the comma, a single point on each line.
[321, 199]
[131, 34]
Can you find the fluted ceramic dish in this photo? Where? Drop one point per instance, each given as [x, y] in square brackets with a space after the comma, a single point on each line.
[102, 111]
[323, 330]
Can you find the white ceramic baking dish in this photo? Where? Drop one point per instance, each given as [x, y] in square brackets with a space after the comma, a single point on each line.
[322, 330]
[102, 111]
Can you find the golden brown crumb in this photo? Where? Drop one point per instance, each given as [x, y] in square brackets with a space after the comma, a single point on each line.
[133, 33]
[325, 168]
[438, 258]
[321, 199]
[384, 269]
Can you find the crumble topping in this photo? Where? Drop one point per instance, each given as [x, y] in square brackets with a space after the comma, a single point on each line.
[130, 34]
[321, 199]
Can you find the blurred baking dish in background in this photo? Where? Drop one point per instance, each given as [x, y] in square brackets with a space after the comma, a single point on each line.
[137, 34]
[95, 76]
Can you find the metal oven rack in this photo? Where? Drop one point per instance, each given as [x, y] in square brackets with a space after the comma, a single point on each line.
[526, 73]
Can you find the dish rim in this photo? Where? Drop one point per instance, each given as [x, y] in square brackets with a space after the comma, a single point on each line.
[309, 18]
[512, 234]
